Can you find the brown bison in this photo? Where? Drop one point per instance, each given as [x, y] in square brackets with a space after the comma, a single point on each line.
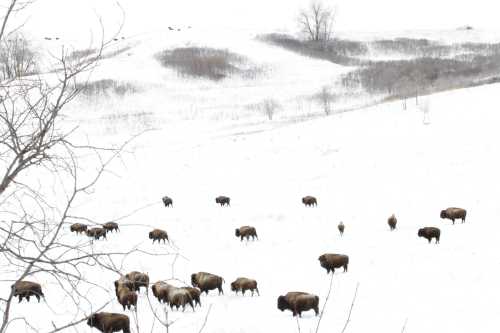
[195, 294]
[223, 200]
[454, 213]
[96, 233]
[26, 289]
[309, 201]
[206, 281]
[109, 322]
[179, 297]
[243, 284]
[330, 261]
[158, 235]
[167, 201]
[246, 232]
[126, 297]
[160, 291]
[110, 226]
[297, 302]
[138, 279]
[123, 282]
[429, 233]
[341, 228]
[392, 221]
[78, 228]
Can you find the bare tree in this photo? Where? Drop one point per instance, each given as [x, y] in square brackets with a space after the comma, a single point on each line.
[317, 21]
[44, 176]
[269, 106]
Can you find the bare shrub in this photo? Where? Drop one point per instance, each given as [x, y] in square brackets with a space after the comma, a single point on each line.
[269, 107]
[17, 57]
[105, 87]
[325, 98]
[213, 64]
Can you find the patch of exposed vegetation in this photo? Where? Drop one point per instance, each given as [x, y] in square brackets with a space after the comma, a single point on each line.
[105, 87]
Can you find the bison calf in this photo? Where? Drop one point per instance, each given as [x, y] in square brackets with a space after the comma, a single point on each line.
[223, 200]
[109, 322]
[330, 261]
[26, 289]
[206, 281]
[158, 235]
[429, 233]
[243, 284]
[78, 228]
[246, 232]
[392, 221]
[454, 213]
[297, 302]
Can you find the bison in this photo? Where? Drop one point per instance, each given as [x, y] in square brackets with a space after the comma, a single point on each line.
[26, 289]
[454, 213]
[158, 235]
[309, 201]
[123, 282]
[110, 227]
[206, 281]
[96, 233]
[78, 228]
[109, 322]
[392, 221]
[223, 200]
[297, 302]
[246, 232]
[195, 294]
[138, 280]
[330, 261]
[429, 233]
[341, 228]
[126, 297]
[243, 284]
[167, 201]
[160, 291]
[179, 297]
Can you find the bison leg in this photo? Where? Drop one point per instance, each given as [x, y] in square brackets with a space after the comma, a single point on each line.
[220, 290]
[345, 268]
[38, 297]
[257, 289]
[20, 298]
[316, 310]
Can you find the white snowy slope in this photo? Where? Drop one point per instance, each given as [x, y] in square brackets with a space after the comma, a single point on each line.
[362, 166]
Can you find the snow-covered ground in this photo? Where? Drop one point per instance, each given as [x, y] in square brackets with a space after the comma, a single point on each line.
[362, 166]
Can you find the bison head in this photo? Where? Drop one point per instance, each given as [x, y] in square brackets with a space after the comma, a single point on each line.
[420, 232]
[194, 283]
[233, 286]
[443, 214]
[282, 303]
[237, 233]
[150, 235]
[93, 320]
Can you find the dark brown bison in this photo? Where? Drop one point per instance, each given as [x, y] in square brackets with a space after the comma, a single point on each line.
[246, 232]
[206, 281]
[167, 201]
[96, 233]
[138, 279]
[78, 228]
[111, 226]
[341, 228]
[160, 291]
[158, 235]
[123, 282]
[26, 289]
[330, 261]
[309, 201]
[429, 233]
[126, 297]
[243, 284]
[195, 294]
[109, 322]
[454, 213]
[297, 302]
[223, 201]
[392, 221]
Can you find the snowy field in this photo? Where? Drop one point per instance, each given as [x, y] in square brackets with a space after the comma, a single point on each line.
[362, 166]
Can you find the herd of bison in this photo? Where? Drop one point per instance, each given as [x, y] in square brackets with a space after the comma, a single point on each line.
[127, 286]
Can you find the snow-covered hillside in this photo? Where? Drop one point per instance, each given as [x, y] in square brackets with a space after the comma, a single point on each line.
[362, 166]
